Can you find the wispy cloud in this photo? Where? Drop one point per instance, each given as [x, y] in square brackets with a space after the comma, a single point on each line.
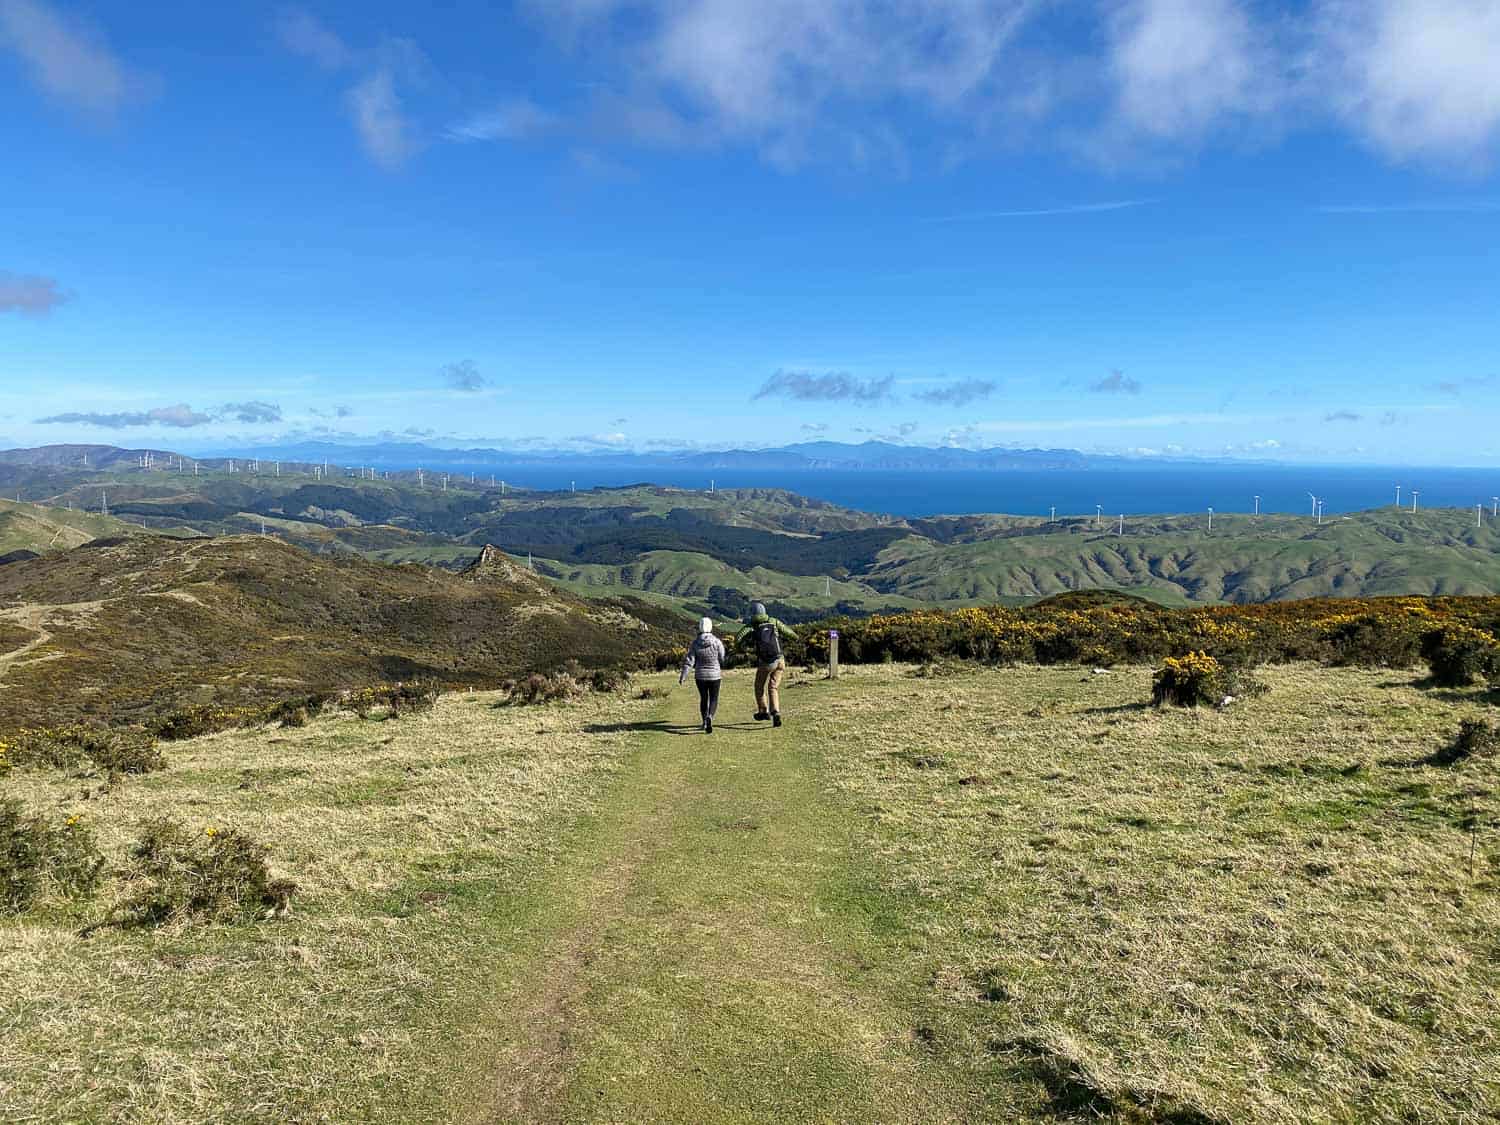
[1042, 212]
[303, 34]
[1116, 383]
[179, 416]
[834, 386]
[517, 119]
[959, 393]
[1471, 383]
[29, 294]
[252, 413]
[463, 376]
[374, 103]
[68, 59]
[1435, 207]
[601, 441]
[383, 128]
[1146, 421]
[1342, 416]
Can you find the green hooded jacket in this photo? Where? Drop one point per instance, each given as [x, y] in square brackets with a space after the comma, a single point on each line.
[746, 636]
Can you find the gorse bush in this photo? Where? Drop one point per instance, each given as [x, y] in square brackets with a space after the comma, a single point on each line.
[1104, 629]
[559, 687]
[413, 697]
[38, 857]
[1188, 681]
[216, 874]
[114, 751]
[1458, 655]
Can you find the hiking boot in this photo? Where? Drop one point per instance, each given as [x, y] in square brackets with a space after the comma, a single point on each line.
[776, 719]
[708, 726]
[762, 716]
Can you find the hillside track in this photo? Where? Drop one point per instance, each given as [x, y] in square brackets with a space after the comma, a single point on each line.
[718, 961]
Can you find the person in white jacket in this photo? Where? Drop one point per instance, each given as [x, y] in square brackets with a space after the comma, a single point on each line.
[705, 657]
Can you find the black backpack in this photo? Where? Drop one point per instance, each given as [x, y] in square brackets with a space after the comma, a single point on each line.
[767, 643]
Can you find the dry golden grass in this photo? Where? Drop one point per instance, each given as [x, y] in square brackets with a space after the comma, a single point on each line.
[411, 841]
[1002, 895]
[1261, 914]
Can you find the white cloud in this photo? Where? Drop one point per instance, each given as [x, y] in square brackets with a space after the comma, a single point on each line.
[303, 34]
[1418, 78]
[1182, 66]
[67, 60]
[780, 73]
[383, 129]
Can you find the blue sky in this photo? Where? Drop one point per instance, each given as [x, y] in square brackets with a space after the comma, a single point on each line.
[1255, 229]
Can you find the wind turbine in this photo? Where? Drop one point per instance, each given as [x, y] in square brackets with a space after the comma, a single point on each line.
[1257, 507]
[1495, 506]
[1122, 525]
[1478, 515]
[1098, 515]
[1314, 500]
[1210, 519]
[1414, 494]
[1398, 496]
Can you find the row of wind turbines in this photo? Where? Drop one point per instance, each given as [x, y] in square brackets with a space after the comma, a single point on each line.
[1317, 511]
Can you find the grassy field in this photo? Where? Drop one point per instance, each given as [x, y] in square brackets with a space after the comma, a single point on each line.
[1010, 895]
[39, 528]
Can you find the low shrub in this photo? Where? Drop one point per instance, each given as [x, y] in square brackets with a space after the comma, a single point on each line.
[413, 697]
[1458, 655]
[217, 875]
[38, 857]
[608, 680]
[538, 688]
[1188, 681]
[298, 712]
[195, 722]
[114, 751]
[1475, 739]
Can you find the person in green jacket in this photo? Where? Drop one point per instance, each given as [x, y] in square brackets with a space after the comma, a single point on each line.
[765, 634]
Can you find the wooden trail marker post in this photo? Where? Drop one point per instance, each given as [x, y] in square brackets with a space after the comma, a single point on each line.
[833, 654]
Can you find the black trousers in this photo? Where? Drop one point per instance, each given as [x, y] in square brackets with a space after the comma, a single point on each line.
[708, 697]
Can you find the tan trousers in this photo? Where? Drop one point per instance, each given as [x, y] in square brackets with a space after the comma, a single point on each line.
[768, 687]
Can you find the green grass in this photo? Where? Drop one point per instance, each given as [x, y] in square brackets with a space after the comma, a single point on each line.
[40, 528]
[1011, 895]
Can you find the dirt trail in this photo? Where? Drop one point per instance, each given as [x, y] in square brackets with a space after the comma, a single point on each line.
[716, 958]
[33, 617]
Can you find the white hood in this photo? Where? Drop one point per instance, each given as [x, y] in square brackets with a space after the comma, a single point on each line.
[705, 625]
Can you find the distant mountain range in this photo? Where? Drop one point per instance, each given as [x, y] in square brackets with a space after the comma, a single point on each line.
[807, 456]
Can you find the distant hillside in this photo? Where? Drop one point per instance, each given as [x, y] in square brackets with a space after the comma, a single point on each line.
[710, 551]
[1244, 559]
[139, 627]
[40, 528]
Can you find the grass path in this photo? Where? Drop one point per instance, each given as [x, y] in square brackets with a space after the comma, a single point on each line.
[720, 954]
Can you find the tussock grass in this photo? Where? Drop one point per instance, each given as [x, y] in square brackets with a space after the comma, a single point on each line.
[1260, 914]
[411, 844]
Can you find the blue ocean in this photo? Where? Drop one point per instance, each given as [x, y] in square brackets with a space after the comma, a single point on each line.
[1131, 491]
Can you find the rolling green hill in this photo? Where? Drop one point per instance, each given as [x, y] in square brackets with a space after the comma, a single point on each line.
[40, 528]
[709, 552]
